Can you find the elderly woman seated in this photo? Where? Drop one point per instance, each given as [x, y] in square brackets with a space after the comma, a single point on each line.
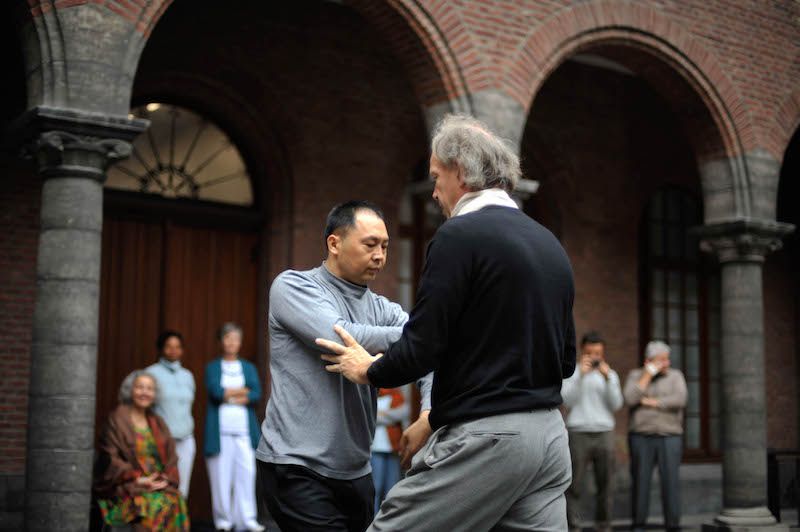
[136, 475]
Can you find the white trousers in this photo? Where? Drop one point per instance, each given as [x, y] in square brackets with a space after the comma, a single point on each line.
[232, 475]
[185, 449]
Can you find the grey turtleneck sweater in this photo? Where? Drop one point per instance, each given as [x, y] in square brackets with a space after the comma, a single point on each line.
[314, 418]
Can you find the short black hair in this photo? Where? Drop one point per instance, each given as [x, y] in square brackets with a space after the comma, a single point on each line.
[343, 215]
[166, 335]
[592, 337]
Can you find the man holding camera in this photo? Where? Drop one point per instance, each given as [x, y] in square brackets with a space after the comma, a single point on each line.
[592, 395]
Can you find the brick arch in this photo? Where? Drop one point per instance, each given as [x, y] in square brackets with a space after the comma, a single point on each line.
[50, 43]
[787, 122]
[414, 35]
[578, 28]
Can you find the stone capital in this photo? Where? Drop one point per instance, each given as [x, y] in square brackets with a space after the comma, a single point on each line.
[743, 240]
[71, 143]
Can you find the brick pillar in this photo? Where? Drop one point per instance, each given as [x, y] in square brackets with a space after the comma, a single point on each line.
[741, 247]
[72, 151]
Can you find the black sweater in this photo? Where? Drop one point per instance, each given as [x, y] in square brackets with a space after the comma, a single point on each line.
[493, 318]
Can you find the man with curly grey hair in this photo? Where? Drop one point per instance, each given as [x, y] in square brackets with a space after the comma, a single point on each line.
[470, 167]
[493, 318]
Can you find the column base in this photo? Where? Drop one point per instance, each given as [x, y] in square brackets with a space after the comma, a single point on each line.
[745, 520]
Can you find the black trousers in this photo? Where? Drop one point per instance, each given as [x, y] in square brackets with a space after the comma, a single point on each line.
[646, 451]
[300, 500]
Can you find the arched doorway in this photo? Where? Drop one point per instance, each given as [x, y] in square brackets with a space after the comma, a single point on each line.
[617, 138]
[782, 309]
[181, 251]
[319, 117]
[622, 137]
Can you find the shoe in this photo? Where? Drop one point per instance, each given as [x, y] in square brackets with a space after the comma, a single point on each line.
[254, 526]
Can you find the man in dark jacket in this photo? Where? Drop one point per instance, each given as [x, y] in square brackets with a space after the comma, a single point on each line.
[493, 318]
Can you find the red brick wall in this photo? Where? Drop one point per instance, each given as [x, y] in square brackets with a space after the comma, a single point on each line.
[19, 218]
[781, 296]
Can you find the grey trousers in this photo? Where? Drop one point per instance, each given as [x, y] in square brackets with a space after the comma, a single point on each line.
[596, 448]
[505, 472]
[646, 451]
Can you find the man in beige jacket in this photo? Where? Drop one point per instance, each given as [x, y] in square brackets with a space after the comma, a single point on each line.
[656, 395]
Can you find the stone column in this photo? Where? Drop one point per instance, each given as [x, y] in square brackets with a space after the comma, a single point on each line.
[741, 247]
[72, 151]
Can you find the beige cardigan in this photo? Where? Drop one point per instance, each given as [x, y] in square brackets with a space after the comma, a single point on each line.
[670, 390]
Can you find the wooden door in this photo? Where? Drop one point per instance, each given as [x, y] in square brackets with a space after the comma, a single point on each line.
[155, 276]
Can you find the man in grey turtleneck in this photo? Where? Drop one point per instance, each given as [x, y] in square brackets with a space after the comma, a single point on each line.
[313, 458]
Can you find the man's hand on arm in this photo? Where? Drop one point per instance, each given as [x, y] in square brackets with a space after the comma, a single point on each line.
[414, 437]
[350, 359]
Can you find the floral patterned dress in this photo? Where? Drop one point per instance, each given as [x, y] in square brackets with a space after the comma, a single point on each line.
[159, 510]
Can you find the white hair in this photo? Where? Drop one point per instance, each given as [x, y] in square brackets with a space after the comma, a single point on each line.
[486, 159]
[125, 395]
[227, 328]
[655, 348]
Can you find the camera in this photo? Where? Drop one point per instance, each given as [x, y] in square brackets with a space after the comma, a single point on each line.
[595, 363]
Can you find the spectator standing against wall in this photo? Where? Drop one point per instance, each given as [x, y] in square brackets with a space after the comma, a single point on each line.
[592, 394]
[656, 395]
[174, 402]
[231, 434]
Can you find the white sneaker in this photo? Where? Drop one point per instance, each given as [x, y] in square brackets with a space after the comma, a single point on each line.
[254, 526]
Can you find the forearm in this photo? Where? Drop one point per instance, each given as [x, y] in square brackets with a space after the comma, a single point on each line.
[235, 393]
[614, 398]
[400, 365]
[633, 393]
[425, 385]
[570, 389]
[302, 307]
[393, 416]
[373, 338]
[673, 401]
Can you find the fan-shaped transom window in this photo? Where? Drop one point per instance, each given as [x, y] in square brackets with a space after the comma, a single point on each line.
[183, 155]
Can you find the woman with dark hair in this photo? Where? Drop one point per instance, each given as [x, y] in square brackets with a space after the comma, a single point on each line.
[135, 475]
[231, 434]
[174, 403]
